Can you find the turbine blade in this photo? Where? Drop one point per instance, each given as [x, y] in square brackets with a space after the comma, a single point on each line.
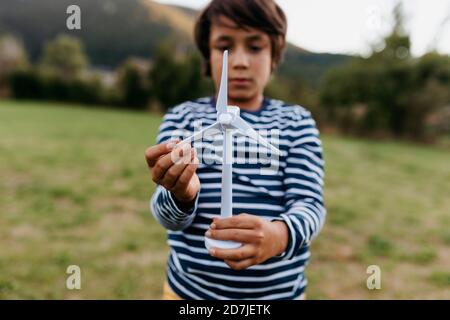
[213, 129]
[246, 129]
[222, 97]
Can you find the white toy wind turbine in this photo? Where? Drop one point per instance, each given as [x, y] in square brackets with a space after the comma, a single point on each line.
[228, 120]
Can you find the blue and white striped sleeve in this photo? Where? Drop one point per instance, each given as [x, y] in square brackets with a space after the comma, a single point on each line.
[163, 206]
[304, 205]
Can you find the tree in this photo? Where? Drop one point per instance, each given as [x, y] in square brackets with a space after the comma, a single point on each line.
[12, 58]
[398, 92]
[175, 80]
[134, 84]
[65, 56]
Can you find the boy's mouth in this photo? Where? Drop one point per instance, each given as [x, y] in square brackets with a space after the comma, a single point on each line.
[240, 81]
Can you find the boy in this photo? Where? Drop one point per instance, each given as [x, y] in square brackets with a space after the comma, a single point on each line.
[275, 216]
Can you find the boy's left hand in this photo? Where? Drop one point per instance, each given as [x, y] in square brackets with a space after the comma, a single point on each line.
[261, 239]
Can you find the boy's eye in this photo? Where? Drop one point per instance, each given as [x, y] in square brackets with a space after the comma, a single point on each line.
[255, 48]
[223, 48]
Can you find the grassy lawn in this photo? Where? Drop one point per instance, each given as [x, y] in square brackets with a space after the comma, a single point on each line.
[74, 189]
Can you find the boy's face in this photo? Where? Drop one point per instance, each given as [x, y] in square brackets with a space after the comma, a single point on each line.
[249, 60]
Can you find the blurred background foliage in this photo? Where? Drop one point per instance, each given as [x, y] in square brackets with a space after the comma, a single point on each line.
[390, 92]
[386, 94]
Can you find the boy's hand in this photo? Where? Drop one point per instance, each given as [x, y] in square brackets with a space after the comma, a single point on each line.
[174, 167]
[261, 239]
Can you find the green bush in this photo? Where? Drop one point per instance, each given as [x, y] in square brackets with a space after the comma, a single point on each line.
[398, 92]
[176, 80]
[26, 84]
[134, 85]
[39, 85]
[88, 92]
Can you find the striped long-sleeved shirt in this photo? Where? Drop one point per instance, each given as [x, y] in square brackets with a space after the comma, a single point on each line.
[288, 188]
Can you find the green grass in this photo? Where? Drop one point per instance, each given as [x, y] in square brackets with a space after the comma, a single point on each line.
[74, 189]
[441, 278]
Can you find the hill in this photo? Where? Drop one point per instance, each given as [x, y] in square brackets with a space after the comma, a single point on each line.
[113, 30]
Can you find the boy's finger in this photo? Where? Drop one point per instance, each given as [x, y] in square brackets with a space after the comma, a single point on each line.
[241, 253]
[238, 235]
[160, 167]
[153, 153]
[185, 177]
[165, 162]
[241, 221]
[172, 175]
[240, 265]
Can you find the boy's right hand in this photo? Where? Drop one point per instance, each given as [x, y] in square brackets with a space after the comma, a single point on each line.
[174, 167]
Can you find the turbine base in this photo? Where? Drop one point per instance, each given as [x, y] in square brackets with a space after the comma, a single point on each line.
[221, 244]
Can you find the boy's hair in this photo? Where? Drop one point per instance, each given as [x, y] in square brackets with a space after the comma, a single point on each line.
[264, 15]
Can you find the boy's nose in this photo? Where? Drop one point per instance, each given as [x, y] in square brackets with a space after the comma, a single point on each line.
[239, 60]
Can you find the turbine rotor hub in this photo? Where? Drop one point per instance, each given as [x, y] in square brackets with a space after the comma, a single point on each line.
[227, 118]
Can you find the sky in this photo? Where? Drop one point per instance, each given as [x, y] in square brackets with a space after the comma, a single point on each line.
[352, 26]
